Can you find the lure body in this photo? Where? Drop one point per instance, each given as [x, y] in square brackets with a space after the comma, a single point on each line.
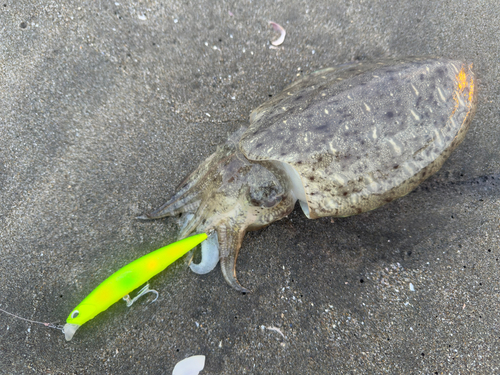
[125, 280]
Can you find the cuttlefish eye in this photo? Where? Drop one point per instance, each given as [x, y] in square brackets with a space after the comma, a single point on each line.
[74, 314]
[266, 195]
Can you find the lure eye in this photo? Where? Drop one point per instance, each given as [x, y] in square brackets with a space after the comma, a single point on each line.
[74, 314]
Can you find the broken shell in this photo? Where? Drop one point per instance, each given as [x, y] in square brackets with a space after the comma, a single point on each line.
[282, 32]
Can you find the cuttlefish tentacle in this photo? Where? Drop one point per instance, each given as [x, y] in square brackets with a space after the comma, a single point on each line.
[209, 255]
[230, 242]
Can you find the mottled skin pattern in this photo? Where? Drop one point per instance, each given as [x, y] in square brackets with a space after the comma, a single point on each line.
[361, 135]
[343, 140]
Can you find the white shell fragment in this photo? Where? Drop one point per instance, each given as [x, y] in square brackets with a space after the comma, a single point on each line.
[279, 29]
[190, 366]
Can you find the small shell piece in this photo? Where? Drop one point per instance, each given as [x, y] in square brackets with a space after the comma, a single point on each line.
[282, 32]
[190, 365]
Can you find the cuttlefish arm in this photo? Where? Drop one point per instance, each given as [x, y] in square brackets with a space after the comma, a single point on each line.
[224, 245]
[190, 192]
[230, 239]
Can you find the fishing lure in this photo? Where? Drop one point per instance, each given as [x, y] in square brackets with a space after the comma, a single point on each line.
[121, 283]
[125, 280]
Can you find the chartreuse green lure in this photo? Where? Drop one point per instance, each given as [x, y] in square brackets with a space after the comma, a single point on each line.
[125, 280]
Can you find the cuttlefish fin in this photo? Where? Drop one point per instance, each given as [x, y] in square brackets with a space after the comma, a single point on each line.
[230, 243]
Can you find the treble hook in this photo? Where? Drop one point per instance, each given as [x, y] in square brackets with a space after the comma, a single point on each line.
[143, 291]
